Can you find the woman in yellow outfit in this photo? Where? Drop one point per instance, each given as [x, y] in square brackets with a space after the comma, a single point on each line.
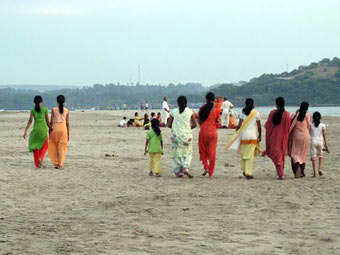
[248, 137]
[60, 134]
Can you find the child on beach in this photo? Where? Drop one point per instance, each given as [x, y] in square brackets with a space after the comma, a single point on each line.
[122, 123]
[154, 146]
[318, 142]
[147, 123]
[159, 118]
[153, 116]
[138, 120]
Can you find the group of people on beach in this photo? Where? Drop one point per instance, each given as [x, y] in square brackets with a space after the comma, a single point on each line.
[58, 128]
[293, 135]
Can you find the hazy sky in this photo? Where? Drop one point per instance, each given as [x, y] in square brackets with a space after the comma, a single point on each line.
[209, 41]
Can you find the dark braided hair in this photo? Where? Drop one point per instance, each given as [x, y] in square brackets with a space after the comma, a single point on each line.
[155, 126]
[302, 111]
[61, 101]
[280, 103]
[316, 119]
[205, 110]
[182, 103]
[37, 100]
[249, 106]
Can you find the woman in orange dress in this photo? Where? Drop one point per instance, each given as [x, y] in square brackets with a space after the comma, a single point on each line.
[298, 139]
[60, 134]
[208, 120]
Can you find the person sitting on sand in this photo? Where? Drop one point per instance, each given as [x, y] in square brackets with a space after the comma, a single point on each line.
[152, 116]
[232, 124]
[154, 146]
[38, 139]
[138, 120]
[123, 123]
[147, 123]
[318, 142]
[159, 118]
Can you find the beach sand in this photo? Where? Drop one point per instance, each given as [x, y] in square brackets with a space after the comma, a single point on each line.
[100, 205]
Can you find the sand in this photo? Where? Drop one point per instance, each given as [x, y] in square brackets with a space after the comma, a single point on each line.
[100, 205]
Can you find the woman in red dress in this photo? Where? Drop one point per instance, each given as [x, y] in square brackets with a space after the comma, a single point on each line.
[208, 120]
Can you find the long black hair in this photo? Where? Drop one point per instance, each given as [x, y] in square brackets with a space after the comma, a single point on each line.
[182, 103]
[37, 100]
[280, 103]
[61, 101]
[316, 118]
[249, 106]
[205, 110]
[155, 126]
[302, 111]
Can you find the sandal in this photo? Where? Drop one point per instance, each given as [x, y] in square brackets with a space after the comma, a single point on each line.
[151, 174]
[187, 173]
[158, 175]
[205, 173]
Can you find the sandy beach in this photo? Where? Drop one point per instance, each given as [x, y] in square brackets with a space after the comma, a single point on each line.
[100, 205]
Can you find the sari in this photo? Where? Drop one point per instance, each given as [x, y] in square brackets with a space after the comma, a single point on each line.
[57, 146]
[208, 141]
[277, 141]
[298, 139]
[181, 140]
[246, 142]
[38, 140]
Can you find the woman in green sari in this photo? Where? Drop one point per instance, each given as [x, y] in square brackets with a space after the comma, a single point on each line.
[38, 140]
[181, 122]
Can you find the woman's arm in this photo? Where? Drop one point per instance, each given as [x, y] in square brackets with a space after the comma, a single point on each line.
[325, 139]
[162, 146]
[52, 119]
[68, 126]
[170, 121]
[29, 122]
[259, 128]
[146, 146]
[193, 121]
[48, 121]
[239, 124]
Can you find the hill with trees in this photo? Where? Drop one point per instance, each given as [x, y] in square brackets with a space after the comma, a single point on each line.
[317, 83]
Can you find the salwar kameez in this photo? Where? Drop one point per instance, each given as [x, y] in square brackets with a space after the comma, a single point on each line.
[208, 141]
[57, 147]
[38, 140]
[181, 141]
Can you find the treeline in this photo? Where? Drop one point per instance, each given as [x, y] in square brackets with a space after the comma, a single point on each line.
[318, 83]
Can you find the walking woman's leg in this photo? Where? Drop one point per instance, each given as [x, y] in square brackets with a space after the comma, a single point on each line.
[36, 158]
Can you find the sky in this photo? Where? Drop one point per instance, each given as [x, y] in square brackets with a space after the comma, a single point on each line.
[84, 42]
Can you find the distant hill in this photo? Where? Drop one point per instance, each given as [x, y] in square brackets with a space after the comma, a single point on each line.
[40, 88]
[317, 83]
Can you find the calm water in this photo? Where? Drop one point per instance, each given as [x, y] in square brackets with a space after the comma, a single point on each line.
[325, 111]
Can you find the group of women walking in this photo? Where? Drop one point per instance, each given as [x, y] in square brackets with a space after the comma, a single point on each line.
[57, 127]
[285, 134]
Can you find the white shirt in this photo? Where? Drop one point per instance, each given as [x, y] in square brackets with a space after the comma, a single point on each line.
[316, 132]
[122, 123]
[226, 106]
[251, 132]
[165, 106]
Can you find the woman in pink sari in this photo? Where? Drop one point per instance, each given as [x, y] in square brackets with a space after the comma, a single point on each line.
[277, 129]
[298, 139]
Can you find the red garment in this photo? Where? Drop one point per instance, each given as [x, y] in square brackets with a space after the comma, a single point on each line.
[40, 154]
[277, 140]
[207, 141]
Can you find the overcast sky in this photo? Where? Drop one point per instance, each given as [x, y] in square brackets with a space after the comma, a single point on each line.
[83, 42]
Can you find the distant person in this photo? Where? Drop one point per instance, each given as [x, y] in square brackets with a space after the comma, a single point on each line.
[146, 106]
[60, 134]
[208, 120]
[154, 146]
[123, 122]
[38, 139]
[247, 137]
[147, 122]
[159, 118]
[318, 142]
[137, 120]
[232, 123]
[226, 107]
[124, 107]
[166, 111]
[277, 129]
[298, 140]
[181, 122]
[152, 116]
[142, 107]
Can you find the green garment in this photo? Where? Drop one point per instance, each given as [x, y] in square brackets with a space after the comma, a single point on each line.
[39, 133]
[154, 142]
